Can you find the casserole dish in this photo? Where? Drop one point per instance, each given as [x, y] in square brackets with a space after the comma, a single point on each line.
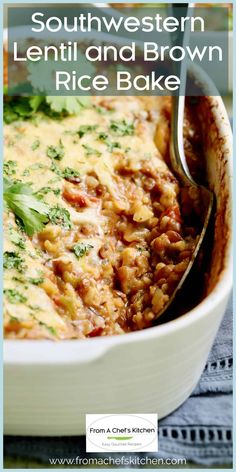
[49, 387]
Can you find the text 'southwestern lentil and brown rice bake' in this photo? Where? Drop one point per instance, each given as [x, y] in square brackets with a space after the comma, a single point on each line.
[98, 231]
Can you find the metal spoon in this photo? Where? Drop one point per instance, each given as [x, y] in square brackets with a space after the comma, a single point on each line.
[177, 155]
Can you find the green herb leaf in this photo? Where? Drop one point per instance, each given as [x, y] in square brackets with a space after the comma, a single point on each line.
[26, 206]
[9, 168]
[81, 249]
[13, 260]
[17, 239]
[14, 296]
[91, 151]
[86, 129]
[102, 110]
[9, 114]
[23, 108]
[35, 145]
[71, 105]
[45, 190]
[16, 108]
[35, 102]
[60, 216]
[35, 280]
[54, 168]
[122, 128]
[51, 329]
[71, 174]
[106, 140]
[56, 152]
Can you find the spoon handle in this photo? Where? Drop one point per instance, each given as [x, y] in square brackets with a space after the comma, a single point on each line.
[177, 156]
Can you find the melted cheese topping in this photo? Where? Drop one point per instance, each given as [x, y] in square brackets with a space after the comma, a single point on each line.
[115, 153]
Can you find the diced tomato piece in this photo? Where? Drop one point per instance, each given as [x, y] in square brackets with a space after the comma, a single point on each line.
[96, 332]
[173, 213]
[57, 300]
[75, 196]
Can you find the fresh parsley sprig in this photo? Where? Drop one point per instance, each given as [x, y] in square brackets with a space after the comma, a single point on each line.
[27, 207]
[23, 108]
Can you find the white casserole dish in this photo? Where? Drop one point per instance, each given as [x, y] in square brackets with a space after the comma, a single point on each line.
[49, 387]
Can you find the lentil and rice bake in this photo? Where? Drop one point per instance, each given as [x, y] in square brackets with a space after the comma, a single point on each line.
[98, 230]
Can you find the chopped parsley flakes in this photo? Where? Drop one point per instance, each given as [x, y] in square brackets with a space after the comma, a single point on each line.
[35, 280]
[91, 151]
[60, 216]
[9, 168]
[81, 249]
[35, 145]
[16, 238]
[54, 168]
[122, 128]
[13, 260]
[106, 140]
[71, 174]
[13, 296]
[56, 152]
[102, 110]
[67, 173]
[86, 129]
[45, 190]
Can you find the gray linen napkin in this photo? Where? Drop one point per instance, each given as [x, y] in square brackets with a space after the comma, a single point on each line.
[199, 431]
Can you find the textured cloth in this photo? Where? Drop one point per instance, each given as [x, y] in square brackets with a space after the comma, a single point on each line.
[199, 431]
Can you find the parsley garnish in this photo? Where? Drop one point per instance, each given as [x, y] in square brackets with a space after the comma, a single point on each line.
[26, 172]
[103, 110]
[54, 168]
[68, 173]
[51, 329]
[56, 152]
[14, 296]
[81, 249]
[45, 190]
[16, 238]
[35, 102]
[35, 145]
[106, 140]
[60, 216]
[86, 129]
[91, 151]
[37, 165]
[26, 206]
[35, 280]
[23, 108]
[69, 105]
[122, 128]
[9, 168]
[35, 307]
[13, 260]
[71, 174]
[17, 108]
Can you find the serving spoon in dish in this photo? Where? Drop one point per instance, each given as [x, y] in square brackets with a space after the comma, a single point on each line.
[177, 155]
